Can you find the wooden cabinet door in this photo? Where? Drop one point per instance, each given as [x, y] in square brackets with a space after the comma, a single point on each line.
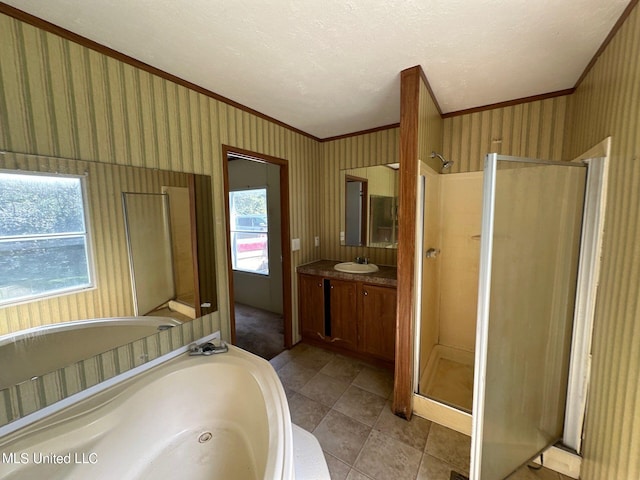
[378, 321]
[344, 314]
[311, 303]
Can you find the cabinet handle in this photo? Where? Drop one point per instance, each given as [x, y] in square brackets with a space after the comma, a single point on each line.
[321, 336]
[365, 293]
[332, 287]
[320, 284]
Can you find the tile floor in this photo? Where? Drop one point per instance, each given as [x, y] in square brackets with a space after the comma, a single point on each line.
[346, 404]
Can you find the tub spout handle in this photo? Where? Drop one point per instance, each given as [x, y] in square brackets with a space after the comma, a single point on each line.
[208, 348]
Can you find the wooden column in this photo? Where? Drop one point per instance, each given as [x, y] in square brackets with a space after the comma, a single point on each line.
[409, 109]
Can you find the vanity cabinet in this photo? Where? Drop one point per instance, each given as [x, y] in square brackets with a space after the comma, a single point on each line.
[311, 311]
[343, 312]
[348, 315]
[377, 321]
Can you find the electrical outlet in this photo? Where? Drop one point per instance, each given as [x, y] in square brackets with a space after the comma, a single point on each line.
[316, 241]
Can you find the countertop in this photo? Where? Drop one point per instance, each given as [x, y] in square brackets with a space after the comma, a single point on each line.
[385, 276]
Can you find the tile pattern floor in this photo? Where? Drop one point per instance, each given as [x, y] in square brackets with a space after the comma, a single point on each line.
[346, 404]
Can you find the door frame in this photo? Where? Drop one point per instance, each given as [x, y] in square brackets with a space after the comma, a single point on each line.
[284, 231]
[597, 159]
[562, 460]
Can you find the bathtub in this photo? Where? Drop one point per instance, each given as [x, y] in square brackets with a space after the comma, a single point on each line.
[193, 417]
[33, 352]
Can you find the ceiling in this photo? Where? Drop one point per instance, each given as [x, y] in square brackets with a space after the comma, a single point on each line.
[331, 67]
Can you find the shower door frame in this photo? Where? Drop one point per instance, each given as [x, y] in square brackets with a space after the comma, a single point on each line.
[590, 246]
[558, 459]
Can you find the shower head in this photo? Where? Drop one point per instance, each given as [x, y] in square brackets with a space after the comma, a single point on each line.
[445, 163]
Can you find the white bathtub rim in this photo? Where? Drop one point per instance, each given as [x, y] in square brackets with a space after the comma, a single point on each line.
[95, 389]
[29, 333]
[279, 462]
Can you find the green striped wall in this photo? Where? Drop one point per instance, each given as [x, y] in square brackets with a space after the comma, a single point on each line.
[60, 99]
[533, 130]
[607, 103]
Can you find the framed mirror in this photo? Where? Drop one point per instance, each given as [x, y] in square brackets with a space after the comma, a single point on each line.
[369, 206]
[78, 243]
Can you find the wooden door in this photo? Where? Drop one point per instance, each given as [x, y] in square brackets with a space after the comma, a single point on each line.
[378, 321]
[344, 314]
[311, 303]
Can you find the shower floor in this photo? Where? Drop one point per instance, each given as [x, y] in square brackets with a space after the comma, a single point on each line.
[448, 377]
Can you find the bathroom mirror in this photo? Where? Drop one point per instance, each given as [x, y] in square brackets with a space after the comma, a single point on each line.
[97, 242]
[369, 206]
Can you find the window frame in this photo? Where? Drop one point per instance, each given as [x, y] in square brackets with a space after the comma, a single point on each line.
[232, 229]
[87, 235]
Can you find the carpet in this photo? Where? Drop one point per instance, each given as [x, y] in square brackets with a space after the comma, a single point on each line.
[259, 331]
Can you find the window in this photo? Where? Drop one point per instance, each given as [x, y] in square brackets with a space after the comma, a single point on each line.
[43, 236]
[249, 231]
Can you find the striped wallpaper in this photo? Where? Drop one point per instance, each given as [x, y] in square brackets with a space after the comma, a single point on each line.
[377, 148]
[607, 103]
[533, 129]
[60, 99]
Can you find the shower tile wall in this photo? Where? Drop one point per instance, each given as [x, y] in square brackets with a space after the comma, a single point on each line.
[460, 223]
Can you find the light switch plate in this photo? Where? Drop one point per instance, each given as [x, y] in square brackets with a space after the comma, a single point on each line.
[316, 241]
[295, 244]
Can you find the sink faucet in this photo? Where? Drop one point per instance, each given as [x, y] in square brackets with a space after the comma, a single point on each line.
[207, 348]
[362, 260]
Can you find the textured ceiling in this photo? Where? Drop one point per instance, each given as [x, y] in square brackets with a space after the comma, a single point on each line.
[332, 67]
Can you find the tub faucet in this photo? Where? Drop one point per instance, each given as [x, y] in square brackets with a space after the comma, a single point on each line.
[207, 348]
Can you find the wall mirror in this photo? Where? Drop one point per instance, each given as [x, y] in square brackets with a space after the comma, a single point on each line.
[369, 206]
[90, 252]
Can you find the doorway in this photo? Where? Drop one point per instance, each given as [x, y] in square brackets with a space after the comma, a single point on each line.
[258, 253]
[356, 195]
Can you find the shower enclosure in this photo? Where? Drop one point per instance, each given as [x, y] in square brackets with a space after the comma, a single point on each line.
[498, 272]
[451, 246]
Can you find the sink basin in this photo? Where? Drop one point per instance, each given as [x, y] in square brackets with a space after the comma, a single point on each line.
[353, 267]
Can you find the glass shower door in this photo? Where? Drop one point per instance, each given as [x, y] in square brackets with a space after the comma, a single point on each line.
[531, 226]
